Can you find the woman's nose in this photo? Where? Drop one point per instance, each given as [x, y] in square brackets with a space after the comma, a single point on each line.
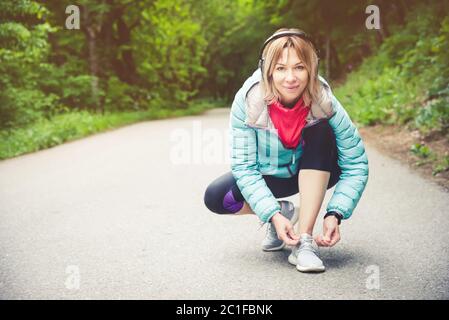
[290, 76]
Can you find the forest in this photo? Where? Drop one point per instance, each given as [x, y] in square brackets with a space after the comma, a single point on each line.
[129, 61]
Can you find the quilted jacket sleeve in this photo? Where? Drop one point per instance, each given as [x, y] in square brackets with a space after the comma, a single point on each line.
[352, 160]
[244, 165]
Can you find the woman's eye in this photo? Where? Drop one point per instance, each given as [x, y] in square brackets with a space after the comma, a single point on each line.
[297, 68]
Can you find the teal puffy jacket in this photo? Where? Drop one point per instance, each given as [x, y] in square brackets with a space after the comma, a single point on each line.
[256, 150]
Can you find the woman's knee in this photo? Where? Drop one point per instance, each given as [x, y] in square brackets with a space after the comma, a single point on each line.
[212, 199]
[222, 196]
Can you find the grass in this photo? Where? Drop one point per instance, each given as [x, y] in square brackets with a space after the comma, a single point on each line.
[406, 83]
[61, 128]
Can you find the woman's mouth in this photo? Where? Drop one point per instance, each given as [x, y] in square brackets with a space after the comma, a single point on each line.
[291, 88]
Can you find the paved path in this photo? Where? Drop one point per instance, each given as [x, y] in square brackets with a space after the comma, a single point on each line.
[120, 215]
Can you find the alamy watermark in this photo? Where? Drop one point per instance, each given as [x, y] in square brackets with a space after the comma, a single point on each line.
[73, 20]
[72, 282]
[373, 20]
[373, 280]
[212, 146]
[199, 146]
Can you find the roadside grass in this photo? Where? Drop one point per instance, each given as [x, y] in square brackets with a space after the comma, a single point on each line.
[46, 133]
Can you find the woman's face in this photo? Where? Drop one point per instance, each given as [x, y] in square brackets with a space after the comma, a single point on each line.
[290, 76]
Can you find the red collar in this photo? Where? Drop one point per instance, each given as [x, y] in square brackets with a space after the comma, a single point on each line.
[289, 122]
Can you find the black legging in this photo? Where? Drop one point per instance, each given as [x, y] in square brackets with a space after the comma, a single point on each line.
[320, 153]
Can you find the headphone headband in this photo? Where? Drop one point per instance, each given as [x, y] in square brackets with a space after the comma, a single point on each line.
[281, 34]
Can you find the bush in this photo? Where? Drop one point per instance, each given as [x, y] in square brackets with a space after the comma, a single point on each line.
[77, 92]
[45, 133]
[20, 106]
[119, 96]
[434, 116]
[407, 82]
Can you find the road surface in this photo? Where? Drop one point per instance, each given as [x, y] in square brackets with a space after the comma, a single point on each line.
[120, 215]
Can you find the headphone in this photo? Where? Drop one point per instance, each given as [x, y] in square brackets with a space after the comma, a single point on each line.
[281, 34]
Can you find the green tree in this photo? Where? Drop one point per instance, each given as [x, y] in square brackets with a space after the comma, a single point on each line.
[169, 49]
[23, 53]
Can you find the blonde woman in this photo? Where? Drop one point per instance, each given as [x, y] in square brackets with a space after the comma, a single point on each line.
[290, 135]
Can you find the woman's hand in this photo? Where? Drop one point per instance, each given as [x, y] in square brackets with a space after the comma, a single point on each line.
[331, 233]
[284, 229]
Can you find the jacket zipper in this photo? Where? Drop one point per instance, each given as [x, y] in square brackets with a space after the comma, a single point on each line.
[293, 153]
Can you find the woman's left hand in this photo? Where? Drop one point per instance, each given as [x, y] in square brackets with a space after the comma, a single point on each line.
[331, 233]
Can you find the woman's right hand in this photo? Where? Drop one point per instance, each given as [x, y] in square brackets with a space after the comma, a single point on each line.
[284, 229]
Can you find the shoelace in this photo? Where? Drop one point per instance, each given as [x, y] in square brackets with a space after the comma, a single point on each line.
[306, 245]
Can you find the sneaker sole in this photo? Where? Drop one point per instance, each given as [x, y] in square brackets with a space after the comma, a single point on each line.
[292, 260]
[274, 249]
[311, 269]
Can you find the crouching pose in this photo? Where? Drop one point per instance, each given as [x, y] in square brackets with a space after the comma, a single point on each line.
[290, 135]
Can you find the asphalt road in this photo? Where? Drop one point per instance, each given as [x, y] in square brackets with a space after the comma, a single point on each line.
[120, 215]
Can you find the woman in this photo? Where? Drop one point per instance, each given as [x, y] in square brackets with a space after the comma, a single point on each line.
[289, 134]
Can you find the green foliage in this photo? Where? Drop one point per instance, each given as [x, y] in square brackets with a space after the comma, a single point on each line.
[233, 38]
[169, 49]
[22, 106]
[420, 150]
[158, 57]
[45, 133]
[23, 52]
[119, 96]
[434, 116]
[407, 81]
[441, 166]
[21, 10]
[76, 92]
[384, 99]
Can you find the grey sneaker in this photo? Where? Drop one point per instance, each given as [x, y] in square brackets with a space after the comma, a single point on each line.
[271, 241]
[305, 256]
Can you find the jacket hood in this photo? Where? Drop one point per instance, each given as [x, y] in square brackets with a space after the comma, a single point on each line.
[257, 110]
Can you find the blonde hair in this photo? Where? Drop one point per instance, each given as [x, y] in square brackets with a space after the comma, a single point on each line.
[305, 51]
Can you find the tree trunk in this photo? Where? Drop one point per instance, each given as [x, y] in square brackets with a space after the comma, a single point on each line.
[401, 9]
[93, 63]
[128, 67]
[336, 61]
[328, 56]
[91, 30]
